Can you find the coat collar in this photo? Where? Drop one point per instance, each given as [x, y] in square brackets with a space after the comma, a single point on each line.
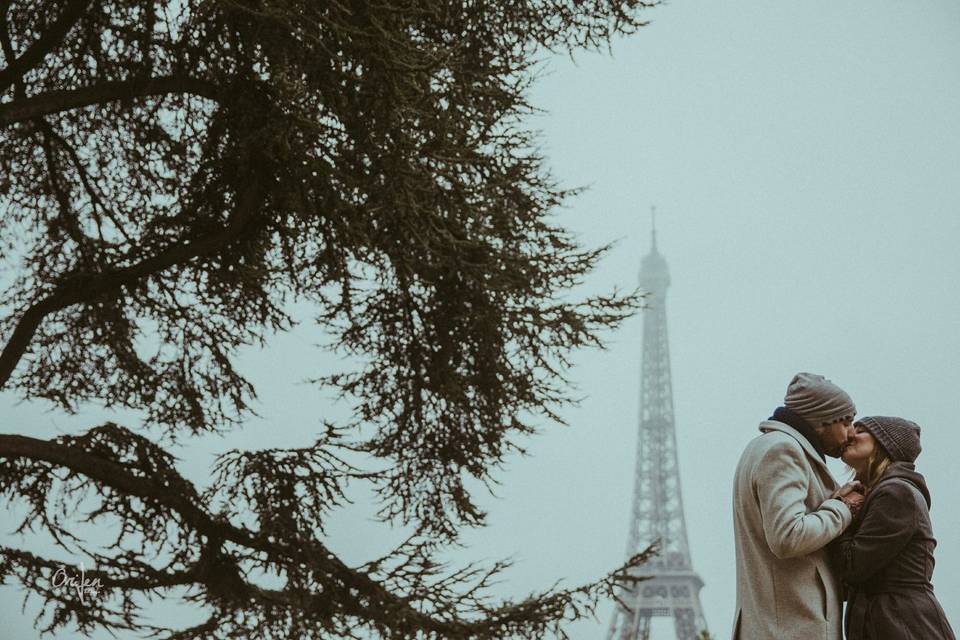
[808, 448]
[782, 414]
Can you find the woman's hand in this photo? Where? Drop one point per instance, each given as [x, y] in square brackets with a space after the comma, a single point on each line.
[851, 487]
[852, 495]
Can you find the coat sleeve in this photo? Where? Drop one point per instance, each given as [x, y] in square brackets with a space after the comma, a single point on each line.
[780, 482]
[889, 521]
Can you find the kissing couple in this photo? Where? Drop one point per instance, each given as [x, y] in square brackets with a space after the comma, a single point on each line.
[805, 544]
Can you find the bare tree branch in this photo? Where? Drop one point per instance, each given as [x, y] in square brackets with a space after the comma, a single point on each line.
[64, 100]
[219, 574]
[110, 474]
[44, 45]
[83, 287]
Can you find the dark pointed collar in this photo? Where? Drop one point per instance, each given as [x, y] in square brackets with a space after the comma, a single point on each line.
[784, 415]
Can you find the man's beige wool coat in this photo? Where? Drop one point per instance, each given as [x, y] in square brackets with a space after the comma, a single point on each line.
[782, 519]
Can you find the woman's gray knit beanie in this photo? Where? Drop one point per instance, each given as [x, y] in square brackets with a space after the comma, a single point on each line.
[899, 438]
[817, 400]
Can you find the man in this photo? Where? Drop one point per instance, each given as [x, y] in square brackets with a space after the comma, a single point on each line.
[786, 508]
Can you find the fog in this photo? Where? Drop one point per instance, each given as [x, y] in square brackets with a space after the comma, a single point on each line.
[804, 159]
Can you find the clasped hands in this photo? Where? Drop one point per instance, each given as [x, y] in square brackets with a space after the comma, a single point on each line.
[852, 495]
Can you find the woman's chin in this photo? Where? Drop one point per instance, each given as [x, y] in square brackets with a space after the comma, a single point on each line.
[853, 462]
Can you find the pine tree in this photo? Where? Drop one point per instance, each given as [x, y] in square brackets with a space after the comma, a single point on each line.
[174, 175]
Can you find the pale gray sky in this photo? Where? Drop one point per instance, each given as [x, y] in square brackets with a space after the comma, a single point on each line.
[805, 161]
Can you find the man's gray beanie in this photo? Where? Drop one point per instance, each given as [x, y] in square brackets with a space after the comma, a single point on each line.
[817, 400]
[899, 438]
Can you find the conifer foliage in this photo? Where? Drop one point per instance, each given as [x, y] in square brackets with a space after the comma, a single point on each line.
[174, 175]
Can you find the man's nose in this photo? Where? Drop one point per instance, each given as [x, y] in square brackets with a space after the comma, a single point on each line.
[851, 432]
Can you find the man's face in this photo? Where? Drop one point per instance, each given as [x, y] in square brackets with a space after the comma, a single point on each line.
[835, 436]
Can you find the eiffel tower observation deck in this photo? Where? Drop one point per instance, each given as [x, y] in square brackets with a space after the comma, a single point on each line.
[657, 507]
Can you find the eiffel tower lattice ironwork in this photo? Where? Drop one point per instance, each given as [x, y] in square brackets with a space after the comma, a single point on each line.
[674, 588]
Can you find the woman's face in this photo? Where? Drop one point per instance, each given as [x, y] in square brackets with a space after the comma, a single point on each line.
[859, 450]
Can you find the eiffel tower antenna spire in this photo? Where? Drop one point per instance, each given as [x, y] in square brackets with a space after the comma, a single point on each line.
[653, 226]
[657, 510]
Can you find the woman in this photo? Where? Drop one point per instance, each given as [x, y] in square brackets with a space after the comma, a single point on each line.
[886, 556]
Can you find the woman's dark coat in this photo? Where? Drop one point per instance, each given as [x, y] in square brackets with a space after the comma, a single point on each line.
[886, 561]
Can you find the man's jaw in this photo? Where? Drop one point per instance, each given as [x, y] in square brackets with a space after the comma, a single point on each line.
[837, 451]
[843, 449]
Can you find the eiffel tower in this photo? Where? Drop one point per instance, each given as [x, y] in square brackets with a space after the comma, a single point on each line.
[674, 588]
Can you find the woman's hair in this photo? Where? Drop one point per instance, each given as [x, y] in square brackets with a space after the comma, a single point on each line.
[876, 465]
